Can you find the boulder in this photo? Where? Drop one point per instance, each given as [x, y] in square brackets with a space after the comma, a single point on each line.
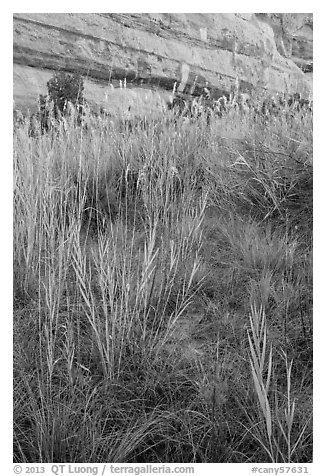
[134, 62]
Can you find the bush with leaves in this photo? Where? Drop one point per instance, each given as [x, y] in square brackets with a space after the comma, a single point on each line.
[63, 89]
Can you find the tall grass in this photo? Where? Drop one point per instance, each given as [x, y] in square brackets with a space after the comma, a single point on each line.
[276, 437]
[139, 252]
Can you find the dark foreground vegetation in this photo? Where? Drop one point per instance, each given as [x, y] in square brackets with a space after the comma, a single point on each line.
[163, 290]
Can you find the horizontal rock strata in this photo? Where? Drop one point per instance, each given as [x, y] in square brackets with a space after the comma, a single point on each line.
[157, 53]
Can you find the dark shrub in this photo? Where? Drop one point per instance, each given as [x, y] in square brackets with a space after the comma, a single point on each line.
[64, 88]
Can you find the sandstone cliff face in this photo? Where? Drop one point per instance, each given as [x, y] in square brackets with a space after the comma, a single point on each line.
[150, 54]
[293, 35]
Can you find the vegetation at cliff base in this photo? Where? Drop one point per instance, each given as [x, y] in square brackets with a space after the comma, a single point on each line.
[163, 289]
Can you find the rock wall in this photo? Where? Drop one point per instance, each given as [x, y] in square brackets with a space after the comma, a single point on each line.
[293, 35]
[134, 61]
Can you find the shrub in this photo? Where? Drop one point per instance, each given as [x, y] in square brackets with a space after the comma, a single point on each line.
[64, 88]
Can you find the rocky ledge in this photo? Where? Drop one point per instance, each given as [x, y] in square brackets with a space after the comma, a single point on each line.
[134, 61]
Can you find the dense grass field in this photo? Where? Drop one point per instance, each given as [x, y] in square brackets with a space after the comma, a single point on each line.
[163, 291]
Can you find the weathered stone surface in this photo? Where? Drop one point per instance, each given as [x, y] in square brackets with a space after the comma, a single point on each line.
[293, 35]
[30, 82]
[153, 53]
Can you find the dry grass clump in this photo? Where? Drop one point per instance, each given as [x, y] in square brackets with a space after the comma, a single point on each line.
[163, 291]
